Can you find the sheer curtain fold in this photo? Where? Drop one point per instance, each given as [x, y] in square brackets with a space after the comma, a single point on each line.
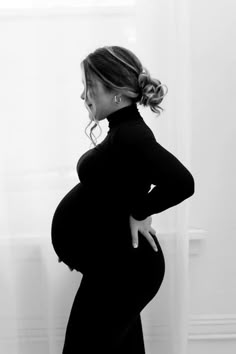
[42, 137]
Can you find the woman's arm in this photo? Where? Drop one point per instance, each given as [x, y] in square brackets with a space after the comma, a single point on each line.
[173, 183]
[146, 158]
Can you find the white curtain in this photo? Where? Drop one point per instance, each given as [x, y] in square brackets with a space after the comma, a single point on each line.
[42, 137]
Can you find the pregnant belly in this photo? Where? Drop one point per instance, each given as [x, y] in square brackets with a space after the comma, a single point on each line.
[87, 224]
[71, 227]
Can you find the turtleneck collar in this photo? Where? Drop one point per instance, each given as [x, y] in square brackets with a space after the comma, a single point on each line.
[130, 112]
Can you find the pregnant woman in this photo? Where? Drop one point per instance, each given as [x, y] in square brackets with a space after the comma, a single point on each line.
[102, 227]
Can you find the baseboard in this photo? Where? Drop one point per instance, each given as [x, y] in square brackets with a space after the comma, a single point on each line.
[33, 331]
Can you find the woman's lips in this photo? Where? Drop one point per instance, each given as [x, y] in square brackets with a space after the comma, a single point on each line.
[88, 105]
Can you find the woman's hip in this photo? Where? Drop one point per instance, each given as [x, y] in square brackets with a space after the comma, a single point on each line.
[141, 264]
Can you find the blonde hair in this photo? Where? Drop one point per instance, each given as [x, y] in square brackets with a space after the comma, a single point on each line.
[120, 70]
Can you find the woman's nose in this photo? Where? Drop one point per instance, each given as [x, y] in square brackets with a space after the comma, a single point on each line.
[82, 95]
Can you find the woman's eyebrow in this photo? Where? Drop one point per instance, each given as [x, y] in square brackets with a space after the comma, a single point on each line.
[87, 81]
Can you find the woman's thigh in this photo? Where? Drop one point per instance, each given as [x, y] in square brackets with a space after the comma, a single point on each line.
[102, 318]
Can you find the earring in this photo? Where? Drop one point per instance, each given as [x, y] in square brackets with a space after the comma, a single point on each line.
[116, 101]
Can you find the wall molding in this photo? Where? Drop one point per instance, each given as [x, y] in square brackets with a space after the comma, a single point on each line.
[212, 327]
[196, 238]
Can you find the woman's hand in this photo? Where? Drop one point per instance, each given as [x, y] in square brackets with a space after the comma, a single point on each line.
[144, 226]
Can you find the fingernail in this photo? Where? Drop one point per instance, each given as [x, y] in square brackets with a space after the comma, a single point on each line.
[156, 249]
[135, 245]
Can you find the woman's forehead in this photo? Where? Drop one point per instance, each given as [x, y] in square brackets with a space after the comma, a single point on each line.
[88, 75]
[87, 78]
[92, 80]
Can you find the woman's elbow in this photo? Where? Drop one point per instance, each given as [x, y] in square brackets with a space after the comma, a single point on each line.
[189, 186]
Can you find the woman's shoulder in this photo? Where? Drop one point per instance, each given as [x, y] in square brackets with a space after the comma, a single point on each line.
[133, 133]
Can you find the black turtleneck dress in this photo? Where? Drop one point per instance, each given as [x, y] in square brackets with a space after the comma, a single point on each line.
[91, 234]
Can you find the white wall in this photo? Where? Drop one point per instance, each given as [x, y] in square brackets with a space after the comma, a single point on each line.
[213, 268]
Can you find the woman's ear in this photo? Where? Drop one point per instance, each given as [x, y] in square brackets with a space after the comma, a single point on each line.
[118, 98]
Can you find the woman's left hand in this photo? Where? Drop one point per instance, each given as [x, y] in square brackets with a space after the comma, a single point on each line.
[144, 226]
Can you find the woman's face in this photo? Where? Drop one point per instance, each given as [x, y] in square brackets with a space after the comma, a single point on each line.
[98, 102]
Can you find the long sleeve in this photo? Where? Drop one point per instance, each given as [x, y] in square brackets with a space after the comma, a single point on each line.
[147, 163]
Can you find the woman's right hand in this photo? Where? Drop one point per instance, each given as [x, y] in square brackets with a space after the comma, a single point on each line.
[145, 228]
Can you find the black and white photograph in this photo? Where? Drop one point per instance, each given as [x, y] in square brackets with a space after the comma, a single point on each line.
[117, 177]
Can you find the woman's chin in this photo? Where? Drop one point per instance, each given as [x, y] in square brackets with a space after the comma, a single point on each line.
[92, 115]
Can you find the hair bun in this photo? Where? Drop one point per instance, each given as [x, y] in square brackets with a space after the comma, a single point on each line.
[152, 92]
